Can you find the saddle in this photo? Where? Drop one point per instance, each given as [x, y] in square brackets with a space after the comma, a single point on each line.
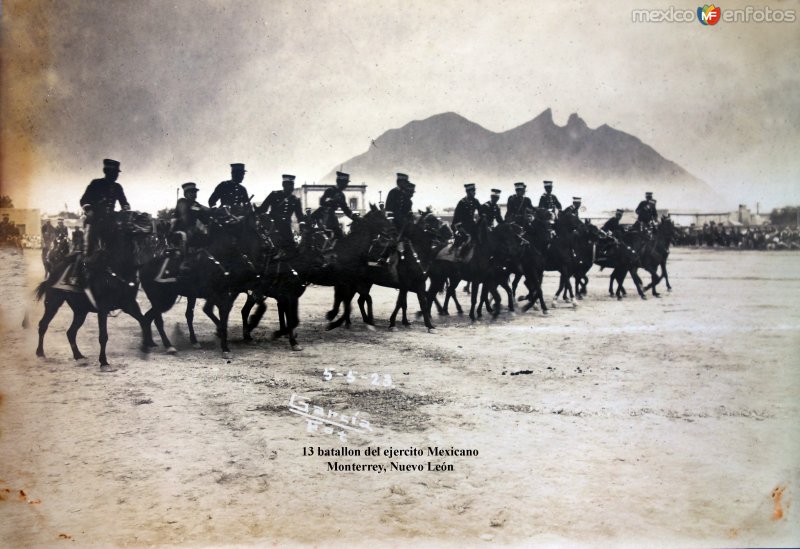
[457, 254]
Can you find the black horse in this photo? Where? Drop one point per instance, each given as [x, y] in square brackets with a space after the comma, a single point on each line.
[220, 271]
[494, 254]
[110, 283]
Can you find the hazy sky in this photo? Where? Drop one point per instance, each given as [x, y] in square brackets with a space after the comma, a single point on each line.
[178, 90]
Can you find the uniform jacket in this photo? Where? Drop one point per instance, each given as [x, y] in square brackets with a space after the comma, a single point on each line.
[102, 195]
[517, 206]
[229, 193]
[549, 202]
[281, 207]
[334, 198]
[465, 212]
[399, 203]
[492, 213]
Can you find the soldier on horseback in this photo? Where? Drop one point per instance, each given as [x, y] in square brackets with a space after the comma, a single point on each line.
[464, 225]
[281, 205]
[518, 205]
[612, 227]
[548, 200]
[398, 201]
[574, 209]
[47, 233]
[491, 210]
[646, 213]
[60, 230]
[231, 193]
[333, 199]
[187, 225]
[77, 239]
[98, 203]
[398, 209]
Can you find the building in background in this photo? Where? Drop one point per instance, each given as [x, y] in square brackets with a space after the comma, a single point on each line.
[28, 221]
[310, 194]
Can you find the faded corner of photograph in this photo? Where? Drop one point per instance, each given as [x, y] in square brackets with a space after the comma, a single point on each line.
[380, 274]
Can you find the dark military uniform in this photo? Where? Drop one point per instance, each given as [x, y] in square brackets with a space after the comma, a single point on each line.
[47, 233]
[229, 193]
[100, 198]
[77, 239]
[333, 199]
[646, 212]
[572, 210]
[465, 214]
[611, 226]
[398, 202]
[102, 195]
[60, 231]
[281, 207]
[185, 218]
[549, 201]
[517, 208]
[491, 211]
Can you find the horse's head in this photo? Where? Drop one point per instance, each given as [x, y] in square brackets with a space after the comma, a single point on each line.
[375, 222]
[434, 226]
[507, 239]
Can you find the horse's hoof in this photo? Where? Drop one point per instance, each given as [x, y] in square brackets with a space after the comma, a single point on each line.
[658, 296]
[644, 298]
[444, 313]
[330, 315]
[107, 369]
[172, 350]
[226, 355]
[545, 313]
[79, 357]
[432, 331]
[392, 328]
[275, 335]
[347, 326]
[296, 347]
[196, 345]
[370, 327]
[330, 326]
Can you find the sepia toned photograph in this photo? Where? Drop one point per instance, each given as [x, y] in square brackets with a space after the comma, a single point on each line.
[399, 274]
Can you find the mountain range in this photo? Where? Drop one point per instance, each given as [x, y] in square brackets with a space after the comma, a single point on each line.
[608, 168]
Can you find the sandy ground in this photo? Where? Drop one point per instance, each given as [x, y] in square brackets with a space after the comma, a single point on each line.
[671, 421]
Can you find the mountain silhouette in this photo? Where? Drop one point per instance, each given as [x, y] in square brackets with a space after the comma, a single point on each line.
[607, 167]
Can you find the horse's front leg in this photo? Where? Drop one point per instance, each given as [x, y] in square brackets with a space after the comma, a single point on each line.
[102, 326]
[52, 303]
[189, 315]
[78, 318]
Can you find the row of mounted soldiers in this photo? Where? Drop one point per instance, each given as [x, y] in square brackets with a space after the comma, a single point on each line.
[102, 195]
[240, 247]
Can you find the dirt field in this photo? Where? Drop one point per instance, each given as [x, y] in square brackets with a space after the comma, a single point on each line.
[671, 421]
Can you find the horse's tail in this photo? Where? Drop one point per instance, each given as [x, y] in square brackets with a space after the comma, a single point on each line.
[42, 288]
[54, 272]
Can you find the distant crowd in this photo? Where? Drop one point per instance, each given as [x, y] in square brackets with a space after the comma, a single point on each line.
[713, 235]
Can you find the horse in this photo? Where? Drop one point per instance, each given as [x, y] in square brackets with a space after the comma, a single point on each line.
[220, 272]
[110, 283]
[278, 279]
[346, 268]
[665, 233]
[54, 253]
[495, 251]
